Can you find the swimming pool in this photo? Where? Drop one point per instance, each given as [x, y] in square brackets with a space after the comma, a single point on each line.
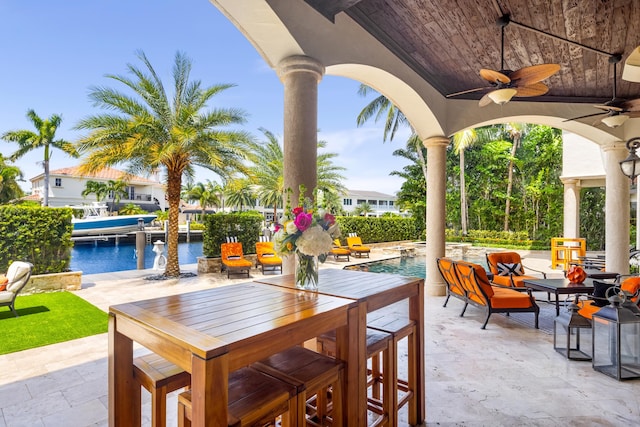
[415, 267]
[105, 257]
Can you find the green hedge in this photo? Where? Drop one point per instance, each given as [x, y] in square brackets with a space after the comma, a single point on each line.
[506, 239]
[374, 230]
[41, 236]
[245, 226]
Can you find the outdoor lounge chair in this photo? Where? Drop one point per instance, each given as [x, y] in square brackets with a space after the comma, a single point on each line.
[17, 276]
[448, 273]
[267, 258]
[356, 247]
[493, 299]
[233, 260]
[630, 285]
[338, 251]
[508, 270]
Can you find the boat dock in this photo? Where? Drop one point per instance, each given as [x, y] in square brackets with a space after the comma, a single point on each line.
[150, 236]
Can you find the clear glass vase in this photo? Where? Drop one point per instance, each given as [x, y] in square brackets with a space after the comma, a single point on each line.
[306, 272]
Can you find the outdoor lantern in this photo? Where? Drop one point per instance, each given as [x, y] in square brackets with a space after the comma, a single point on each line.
[631, 165]
[572, 334]
[616, 340]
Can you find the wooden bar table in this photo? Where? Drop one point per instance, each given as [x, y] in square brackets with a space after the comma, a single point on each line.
[372, 291]
[212, 332]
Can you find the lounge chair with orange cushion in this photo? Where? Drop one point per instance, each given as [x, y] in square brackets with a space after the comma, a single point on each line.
[448, 272]
[493, 299]
[338, 251]
[630, 286]
[508, 270]
[16, 279]
[356, 247]
[233, 260]
[267, 258]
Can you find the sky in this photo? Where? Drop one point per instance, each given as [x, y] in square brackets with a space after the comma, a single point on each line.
[52, 53]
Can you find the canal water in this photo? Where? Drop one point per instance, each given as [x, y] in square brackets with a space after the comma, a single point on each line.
[104, 257]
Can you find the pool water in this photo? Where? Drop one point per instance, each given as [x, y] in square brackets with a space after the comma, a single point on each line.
[415, 267]
[105, 257]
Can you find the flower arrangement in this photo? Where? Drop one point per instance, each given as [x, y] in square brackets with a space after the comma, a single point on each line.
[309, 233]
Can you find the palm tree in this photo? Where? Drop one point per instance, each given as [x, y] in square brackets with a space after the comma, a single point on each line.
[154, 132]
[268, 173]
[97, 188]
[239, 193]
[116, 190]
[205, 194]
[9, 176]
[44, 137]
[363, 209]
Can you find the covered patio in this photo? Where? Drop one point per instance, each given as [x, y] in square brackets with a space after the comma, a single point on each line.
[417, 53]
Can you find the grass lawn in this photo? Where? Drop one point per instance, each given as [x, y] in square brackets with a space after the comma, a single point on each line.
[47, 319]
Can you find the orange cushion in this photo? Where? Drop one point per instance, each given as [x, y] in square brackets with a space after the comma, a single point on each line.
[504, 257]
[3, 282]
[502, 280]
[508, 298]
[587, 309]
[445, 265]
[270, 260]
[237, 263]
[483, 280]
[340, 251]
[631, 285]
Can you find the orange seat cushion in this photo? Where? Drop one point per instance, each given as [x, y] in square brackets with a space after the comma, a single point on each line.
[340, 251]
[445, 266]
[631, 285]
[587, 309]
[270, 260]
[237, 263]
[3, 282]
[506, 280]
[508, 298]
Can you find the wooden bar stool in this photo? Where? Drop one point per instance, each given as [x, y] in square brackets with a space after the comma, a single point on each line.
[403, 389]
[380, 351]
[255, 399]
[313, 374]
[159, 377]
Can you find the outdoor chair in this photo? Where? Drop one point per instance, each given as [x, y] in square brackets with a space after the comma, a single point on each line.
[17, 277]
[508, 270]
[233, 260]
[630, 286]
[357, 248]
[338, 251]
[448, 273]
[266, 257]
[492, 299]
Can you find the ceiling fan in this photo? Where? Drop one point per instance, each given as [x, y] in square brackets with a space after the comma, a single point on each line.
[618, 110]
[505, 84]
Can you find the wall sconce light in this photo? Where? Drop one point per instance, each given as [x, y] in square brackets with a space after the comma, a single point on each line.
[502, 96]
[631, 165]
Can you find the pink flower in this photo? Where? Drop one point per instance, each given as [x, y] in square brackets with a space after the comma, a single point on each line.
[303, 221]
[297, 211]
[329, 219]
[277, 227]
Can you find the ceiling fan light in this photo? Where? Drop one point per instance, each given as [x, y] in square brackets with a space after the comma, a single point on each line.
[502, 96]
[615, 121]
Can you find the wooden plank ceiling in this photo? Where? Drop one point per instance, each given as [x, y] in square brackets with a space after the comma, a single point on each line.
[448, 42]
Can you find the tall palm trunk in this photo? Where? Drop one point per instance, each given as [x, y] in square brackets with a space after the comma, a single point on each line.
[45, 163]
[174, 185]
[464, 216]
[507, 205]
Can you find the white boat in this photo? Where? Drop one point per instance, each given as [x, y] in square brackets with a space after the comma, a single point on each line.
[95, 221]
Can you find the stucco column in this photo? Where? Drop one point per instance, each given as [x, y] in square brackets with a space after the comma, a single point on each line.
[571, 208]
[617, 209]
[436, 186]
[300, 76]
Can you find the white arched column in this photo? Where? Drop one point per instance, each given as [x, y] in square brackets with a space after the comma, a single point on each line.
[571, 212]
[617, 209]
[436, 187]
[300, 76]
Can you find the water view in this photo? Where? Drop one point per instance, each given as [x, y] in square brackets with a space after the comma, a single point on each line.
[104, 257]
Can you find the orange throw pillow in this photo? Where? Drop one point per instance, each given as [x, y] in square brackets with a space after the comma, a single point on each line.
[3, 283]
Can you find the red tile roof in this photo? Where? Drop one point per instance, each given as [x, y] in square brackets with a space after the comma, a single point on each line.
[106, 173]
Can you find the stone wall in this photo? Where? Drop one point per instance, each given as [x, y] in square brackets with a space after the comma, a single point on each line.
[69, 281]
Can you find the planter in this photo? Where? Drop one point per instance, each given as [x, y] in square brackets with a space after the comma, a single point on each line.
[67, 281]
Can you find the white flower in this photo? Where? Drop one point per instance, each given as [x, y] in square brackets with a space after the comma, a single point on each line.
[314, 241]
[291, 228]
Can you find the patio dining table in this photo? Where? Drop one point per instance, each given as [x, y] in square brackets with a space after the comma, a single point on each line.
[372, 291]
[210, 333]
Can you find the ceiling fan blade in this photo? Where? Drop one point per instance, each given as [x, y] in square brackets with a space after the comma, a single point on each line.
[583, 117]
[467, 91]
[631, 105]
[494, 76]
[485, 100]
[533, 74]
[536, 89]
[609, 107]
